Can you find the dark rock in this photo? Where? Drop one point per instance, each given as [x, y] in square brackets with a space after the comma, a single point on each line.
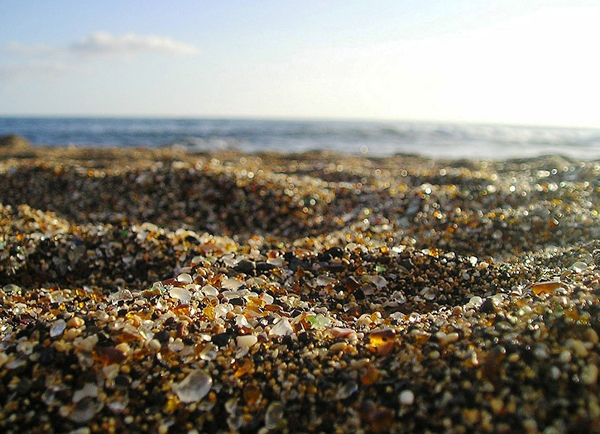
[488, 306]
[245, 266]
[333, 252]
[263, 267]
[14, 142]
[221, 339]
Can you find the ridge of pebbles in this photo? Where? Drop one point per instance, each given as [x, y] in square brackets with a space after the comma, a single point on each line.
[157, 291]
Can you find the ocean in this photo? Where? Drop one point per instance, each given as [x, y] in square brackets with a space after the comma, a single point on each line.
[439, 140]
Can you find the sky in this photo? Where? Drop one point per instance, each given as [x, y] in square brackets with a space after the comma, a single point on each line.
[519, 62]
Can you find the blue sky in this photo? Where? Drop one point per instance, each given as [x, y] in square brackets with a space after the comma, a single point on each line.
[509, 61]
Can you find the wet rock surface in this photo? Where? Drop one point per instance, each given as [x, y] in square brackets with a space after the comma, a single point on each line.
[161, 292]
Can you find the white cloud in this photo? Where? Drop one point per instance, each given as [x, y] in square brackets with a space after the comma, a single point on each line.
[46, 60]
[102, 43]
[105, 43]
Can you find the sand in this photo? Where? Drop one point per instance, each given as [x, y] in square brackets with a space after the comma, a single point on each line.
[160, 291]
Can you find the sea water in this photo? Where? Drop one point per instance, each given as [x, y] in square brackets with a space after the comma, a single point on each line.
[384, 138]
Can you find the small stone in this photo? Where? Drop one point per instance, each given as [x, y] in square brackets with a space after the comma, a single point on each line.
[109, 355]
[379, 281]
[530, 426]
[243, 367]
[110, 371]
[333, 252]
[245, 266]
[589, 374]
[88, 344]
[88, 391]
[407, 397]
[338, 347]
[579, 348]
[447, 338]
[11, 288]
[246, 341]
[371, 376]
[282, 328]
[210, 290]
[338, 332]
[181, 294]
[241, 321]
[252, 395]
[565, 356]
[319, 321]
[591, 336]
[57, 328]
[488, 306]
[263, 267]
[547, 287]
[84, 410]
[492, 363]
[579, 266]
[82, 430]
[123, 347]
[325, 280]
[347, 390]
[185, 278]
[382, 342]
[475, 301]
[194, 387]
[75, 322]
[274, 415]
[209, 352]
[25, 347]
[72, 333]
[153, 345]
[221, 339]
[497, 405]
[232, 284]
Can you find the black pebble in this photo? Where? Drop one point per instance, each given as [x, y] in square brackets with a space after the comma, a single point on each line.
[262, 267]
[488, 306]
[245, 266]
[237, 301]
[162, 336]
[221, 339]
[334, 252]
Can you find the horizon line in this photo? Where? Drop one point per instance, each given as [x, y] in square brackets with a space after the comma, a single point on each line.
[300, 119]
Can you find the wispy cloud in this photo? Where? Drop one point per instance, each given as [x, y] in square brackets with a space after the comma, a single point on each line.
[46, 60]
[107, 44]
[103, 43]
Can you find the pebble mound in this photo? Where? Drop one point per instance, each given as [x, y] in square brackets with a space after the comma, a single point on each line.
[158, 291]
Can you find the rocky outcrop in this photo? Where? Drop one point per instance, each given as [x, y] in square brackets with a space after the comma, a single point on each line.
[14, 145]
[14, 142]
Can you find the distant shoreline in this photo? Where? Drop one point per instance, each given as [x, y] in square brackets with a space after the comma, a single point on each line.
[91, 152]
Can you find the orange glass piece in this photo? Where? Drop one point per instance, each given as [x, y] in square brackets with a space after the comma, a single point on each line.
[252, 395]
[108, 355]
[371, 376]
[243, 367]
[546, 287]
[382, 342]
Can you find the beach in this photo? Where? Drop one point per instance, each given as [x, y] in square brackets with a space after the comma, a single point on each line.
[158, 290]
